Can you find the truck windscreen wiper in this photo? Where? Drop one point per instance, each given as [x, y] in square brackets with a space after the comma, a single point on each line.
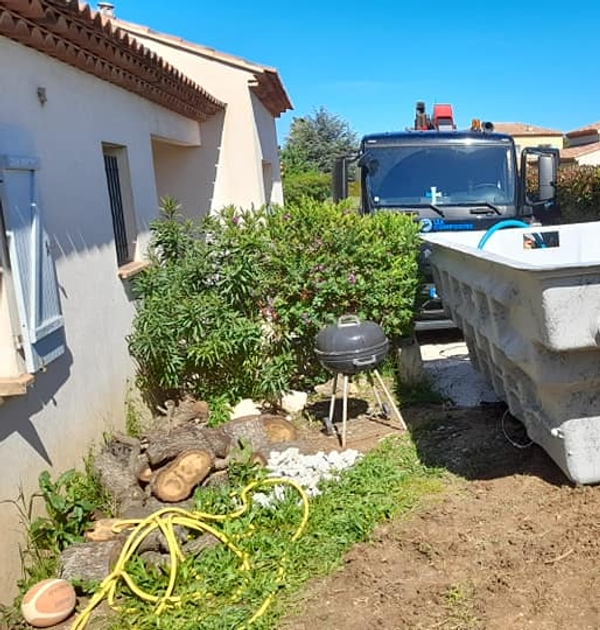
[487, 204]
[435, 208]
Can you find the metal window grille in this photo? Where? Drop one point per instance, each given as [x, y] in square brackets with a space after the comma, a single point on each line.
[111, 167]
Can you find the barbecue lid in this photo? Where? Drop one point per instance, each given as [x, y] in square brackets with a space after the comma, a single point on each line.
[350, 336]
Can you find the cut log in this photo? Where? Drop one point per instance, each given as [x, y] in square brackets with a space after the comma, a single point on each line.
[188, 410]
[279, 429]
[160, 561]
[156, 541]
[259, 430]
[162, 447]
[145, 474]
[117, 477]
[199, 544]
[177, 480]
[90, 561]
[258, 458]
[102, 531]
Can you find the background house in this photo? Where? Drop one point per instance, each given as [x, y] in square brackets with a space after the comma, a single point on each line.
[96, 129]
[583, 145]
[527, 135]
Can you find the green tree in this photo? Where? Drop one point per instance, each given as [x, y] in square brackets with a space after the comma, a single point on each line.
[315, 141]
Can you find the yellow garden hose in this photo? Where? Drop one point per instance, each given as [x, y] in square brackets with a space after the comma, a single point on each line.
[166, 520]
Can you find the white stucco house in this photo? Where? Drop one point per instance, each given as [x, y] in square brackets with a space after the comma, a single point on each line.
[95, 126]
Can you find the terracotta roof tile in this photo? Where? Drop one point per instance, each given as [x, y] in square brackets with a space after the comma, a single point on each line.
[85, 39]
[589, 128]
[264, 81]
[576, 152]
[524, 129]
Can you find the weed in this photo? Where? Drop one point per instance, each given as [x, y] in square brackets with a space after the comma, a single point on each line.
[69, 502]
[459, 605]
[220, 410]
[133, 425]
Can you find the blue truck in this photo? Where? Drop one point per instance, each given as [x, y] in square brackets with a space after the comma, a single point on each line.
[449, 180]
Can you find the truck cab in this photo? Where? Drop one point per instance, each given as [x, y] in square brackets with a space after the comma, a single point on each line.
[450, 180]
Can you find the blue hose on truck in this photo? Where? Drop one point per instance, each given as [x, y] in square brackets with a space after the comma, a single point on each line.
[500, 226]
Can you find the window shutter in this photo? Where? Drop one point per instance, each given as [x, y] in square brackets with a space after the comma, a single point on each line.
[32, 266]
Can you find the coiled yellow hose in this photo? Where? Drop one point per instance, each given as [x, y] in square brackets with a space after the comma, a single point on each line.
[166, 520]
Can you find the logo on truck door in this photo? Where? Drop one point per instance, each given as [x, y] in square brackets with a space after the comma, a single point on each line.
[439, 225]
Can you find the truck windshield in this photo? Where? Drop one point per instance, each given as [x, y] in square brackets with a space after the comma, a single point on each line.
[449, 174]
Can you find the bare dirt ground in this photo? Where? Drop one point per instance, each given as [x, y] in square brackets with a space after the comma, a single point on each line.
[510, 544]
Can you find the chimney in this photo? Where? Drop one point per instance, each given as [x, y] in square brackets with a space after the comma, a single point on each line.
[107, 9]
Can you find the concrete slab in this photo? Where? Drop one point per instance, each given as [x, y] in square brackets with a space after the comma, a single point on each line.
[451, 374]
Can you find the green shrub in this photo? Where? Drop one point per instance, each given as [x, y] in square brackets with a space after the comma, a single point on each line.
[197, 327]
[327, 262]
[230, 308]
[309, 184]
[578, 190]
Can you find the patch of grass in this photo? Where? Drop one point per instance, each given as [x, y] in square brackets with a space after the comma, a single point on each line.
[216, 595]
[460, 608]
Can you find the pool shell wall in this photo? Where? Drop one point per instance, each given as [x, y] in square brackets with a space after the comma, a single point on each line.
[531, 321]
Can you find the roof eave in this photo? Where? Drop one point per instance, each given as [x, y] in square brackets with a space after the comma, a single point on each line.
[270, 91]
[86, 40]
[264, 82]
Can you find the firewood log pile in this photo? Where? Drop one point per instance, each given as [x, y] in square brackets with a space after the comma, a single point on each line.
[162, 468]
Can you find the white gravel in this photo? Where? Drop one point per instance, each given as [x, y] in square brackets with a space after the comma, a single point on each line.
[307, 470]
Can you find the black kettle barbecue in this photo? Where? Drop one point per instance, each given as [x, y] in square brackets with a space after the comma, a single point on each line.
[348, 347]
[351, 346]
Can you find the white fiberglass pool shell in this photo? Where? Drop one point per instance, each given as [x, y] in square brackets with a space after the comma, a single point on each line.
[531, 320]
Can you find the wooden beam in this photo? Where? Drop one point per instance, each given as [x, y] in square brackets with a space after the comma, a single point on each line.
[15, 385]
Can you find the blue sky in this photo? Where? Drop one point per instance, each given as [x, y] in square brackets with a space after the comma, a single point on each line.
[369, 62]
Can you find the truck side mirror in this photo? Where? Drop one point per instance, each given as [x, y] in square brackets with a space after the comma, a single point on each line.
[546, 161]
[546, 177]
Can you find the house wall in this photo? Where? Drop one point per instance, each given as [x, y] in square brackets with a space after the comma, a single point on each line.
[267, 152]
[249, 136]
[81, 394]
[534, 141]
[589, 159]
[187, 173]
[579, 140]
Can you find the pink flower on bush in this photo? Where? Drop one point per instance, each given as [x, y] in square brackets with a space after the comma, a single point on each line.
[352, 279]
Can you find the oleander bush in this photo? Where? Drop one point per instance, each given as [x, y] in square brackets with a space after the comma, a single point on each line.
[230, 306]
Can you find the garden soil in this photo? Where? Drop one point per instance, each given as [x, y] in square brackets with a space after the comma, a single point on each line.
[509, 544]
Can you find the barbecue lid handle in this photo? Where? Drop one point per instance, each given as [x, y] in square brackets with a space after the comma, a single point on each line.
[348, 320]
